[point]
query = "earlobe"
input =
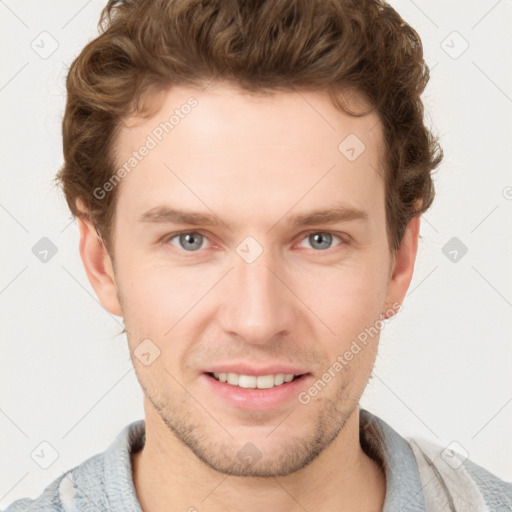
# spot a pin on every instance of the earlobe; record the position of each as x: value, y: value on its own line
x: 405, y: 258
x: 98, y: 266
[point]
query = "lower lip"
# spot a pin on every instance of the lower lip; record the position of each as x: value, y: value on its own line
x: 257, y: 399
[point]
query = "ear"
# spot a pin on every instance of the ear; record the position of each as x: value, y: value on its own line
x: 98, y: 265
x: 403, y: 266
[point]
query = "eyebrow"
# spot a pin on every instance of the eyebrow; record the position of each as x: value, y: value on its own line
x: 166, y: 214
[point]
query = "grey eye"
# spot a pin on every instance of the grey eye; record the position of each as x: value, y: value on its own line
x: 189, y: 241
x: 320, y: 240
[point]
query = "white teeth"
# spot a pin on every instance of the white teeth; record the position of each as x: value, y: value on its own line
x: 253, y: 382
x: 247, y: 381
x: 265, y: 381
x: 233, y: 379
x: 278, y: 379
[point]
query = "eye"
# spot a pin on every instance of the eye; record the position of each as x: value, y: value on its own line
x: 189, y: 241
x: 192, y: 241
x: 321, y: 240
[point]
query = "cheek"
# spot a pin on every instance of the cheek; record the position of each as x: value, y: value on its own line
x: 348, y: 301
x: 156, y: 298
x: 347, y: 298
x: 340, y: 298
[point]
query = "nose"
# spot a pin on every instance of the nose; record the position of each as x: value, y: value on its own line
x: 258, y: 304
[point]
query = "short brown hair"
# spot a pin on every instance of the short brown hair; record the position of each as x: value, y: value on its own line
x: 147, y: 46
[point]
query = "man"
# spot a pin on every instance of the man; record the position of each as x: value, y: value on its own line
x: 248, y: 179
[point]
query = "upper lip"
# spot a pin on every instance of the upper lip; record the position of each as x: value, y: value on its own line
x: 249, y: 369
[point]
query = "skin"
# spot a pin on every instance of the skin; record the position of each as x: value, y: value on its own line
x: 254, y: 161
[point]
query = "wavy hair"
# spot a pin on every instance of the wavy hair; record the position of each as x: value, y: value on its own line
x: 147, y: 46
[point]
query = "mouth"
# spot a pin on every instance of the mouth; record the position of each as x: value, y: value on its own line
x: 254, y: 381
x: 269, y: 391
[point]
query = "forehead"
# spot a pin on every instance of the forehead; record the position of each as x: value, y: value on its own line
x: 222, y: 148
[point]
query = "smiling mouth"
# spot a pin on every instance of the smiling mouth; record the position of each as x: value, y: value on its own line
x: 253, y: 381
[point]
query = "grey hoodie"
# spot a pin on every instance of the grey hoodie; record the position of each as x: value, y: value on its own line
x: 420, y: 476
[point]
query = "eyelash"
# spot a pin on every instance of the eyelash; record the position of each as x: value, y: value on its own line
x: 342, y: 237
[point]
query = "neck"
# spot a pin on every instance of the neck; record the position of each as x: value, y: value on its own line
x: 341, y: 478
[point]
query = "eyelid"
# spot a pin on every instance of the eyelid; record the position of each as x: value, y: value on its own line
x: 167, y: 238
x: 342, y: 236
x: 301, y: 236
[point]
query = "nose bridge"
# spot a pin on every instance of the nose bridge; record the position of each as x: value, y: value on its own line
x: 256, y: 304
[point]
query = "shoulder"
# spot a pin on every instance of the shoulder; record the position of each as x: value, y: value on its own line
x: 451, y: 478
x: 59, y: 495
x: 95, y: 484
x: 422, y: 475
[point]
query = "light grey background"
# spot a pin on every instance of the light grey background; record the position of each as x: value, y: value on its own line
x: 443, y: 372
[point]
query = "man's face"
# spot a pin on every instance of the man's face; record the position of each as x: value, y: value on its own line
x: 256, y: 294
